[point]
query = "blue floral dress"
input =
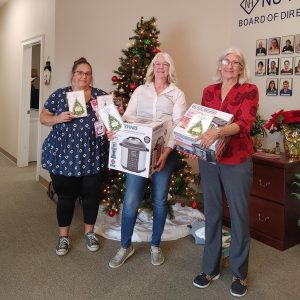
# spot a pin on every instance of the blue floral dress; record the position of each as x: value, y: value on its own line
x: 71, y: 148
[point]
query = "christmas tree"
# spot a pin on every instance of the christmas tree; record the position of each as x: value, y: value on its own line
x: 142, y: 47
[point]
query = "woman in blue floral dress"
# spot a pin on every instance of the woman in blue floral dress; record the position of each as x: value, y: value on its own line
x: 75, y: 158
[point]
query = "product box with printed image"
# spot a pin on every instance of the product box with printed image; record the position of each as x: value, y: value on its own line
x: 137, y: 147
x: 196, y: 121
x: 76, y: 104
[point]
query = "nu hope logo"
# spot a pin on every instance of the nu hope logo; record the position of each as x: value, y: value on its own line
x: 248, y: 5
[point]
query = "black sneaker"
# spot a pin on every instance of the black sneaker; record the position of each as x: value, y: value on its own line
x: 91, y: 241
x: 63, y: 246
x: 202, y: 281
x: 238, y: 287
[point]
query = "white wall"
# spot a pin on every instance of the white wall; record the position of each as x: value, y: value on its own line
x: 19, y: 20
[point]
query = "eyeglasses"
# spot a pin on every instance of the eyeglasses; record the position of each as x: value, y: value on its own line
x: 81, y: 73
x: 165, y: 65
x: 227, y: 62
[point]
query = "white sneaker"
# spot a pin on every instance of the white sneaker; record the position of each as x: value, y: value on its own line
x: 122, y: 255
x: 157, y: 257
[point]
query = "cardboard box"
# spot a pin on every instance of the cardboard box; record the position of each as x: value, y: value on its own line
x: 76, y: 104
x: 196, y: 121
x: 137, y: 147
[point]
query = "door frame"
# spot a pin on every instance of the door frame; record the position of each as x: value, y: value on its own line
x: 24, y: 102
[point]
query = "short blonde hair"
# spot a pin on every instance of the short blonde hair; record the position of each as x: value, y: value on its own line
x: 245, y: 76
x: 172, y: 77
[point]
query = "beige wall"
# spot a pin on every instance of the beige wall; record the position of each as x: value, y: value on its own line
x: 193, y: 32
x: 19, y: 20
x: 245, y: 37
x: 99, y: 30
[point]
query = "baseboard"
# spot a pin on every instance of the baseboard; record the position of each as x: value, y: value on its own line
x: 9, y: 156
x: 43, y: 182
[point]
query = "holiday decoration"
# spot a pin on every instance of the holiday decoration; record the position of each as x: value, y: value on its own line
x: 155, y: 50
x: 114, y: 78
x: 132, y: 86
x: 194, y: 204
x: 111, y: 212
x: 141, y: 49
x: 47, y: 73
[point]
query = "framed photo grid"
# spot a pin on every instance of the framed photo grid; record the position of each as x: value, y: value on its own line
x: 277, y: 57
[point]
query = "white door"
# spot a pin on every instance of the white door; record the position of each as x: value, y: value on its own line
x: 24, y: 107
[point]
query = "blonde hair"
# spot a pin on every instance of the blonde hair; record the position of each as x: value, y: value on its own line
x: 172, y: 77
x: 244, y: 76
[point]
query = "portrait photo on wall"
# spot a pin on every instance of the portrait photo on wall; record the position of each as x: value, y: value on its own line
x: 297, y: 65
x: 272, y: 87
x: 260, y: 67
x: 286, y: 66
x: 261, y: 47
x: 273, y: 45
x: 273, y: 68
x: 297, y: 43
x: 287, y: 44
x: 286, y: 87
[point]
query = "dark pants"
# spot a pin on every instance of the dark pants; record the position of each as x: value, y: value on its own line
x: 236, y: 181
x: 69, y: 189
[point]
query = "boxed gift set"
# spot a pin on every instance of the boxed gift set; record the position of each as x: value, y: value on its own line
x: 76, y: 104
x: 196, y: 121
x: 137, y: 147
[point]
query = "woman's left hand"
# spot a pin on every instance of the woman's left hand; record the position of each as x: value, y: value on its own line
x: 208, y: 137
x: 162, y: 160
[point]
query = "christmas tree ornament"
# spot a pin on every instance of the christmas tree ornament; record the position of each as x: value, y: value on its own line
x: 155, y: 50
x: 147, y: 42
x: 194, y: 204
x: 114, y: 79
x: 111, y: 213
x: 132, y: 86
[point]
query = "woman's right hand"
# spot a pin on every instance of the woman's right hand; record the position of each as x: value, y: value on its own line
x: 65, y: 116
x: 110, y: 135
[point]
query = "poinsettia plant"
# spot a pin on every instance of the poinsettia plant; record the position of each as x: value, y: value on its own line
x: 290, y: 118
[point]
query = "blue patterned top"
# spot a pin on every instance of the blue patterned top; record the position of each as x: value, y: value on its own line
x: 71, y: 148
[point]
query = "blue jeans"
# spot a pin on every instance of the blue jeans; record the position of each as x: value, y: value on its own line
x: 135, y: 189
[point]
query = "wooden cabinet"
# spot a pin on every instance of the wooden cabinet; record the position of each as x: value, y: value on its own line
x: 273, y: 212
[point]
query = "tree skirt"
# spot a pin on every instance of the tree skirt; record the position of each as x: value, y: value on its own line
x: 178, y: 227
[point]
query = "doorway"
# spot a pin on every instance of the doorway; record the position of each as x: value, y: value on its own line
x: 29, y: 134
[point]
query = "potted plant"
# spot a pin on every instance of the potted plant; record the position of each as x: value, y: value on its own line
x: 258, y: 127
x: 258, y: 131
x: 296, y: 194
x: 288, y: 123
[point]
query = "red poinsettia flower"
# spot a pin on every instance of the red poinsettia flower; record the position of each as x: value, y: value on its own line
x: 291, y: 118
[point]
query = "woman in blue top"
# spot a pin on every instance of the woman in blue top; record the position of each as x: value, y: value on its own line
x: 75, y: 158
